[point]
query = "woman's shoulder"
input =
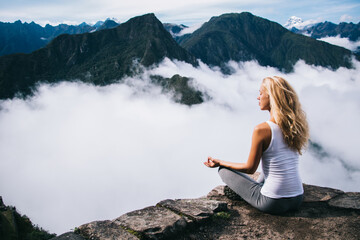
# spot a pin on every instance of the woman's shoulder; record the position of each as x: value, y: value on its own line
x: 263, y: 130
x: 262, y: 126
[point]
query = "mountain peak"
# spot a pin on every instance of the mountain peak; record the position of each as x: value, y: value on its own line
x: 245, y: 37
x: 293, y: 21
x: 83, y: 24
x: 101, y: 57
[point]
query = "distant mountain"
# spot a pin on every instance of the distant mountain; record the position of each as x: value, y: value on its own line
x: 21, y: 37
x: 296, y: 23
x: 102, y: 57
x: 107, y: 25
x: 243, y: 37
x: 329, y: 29
x: 324, y: 29
x: 98, y: 24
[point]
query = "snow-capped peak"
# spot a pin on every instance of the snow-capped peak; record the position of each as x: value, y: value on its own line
x: 298, y: 23
x: 293, y: 22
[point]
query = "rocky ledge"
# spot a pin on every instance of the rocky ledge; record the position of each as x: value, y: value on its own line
x: 326, y: 213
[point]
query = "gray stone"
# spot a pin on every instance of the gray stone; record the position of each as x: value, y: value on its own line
x: 104, y: 230
x: 153, y: 222
x: 319, y: 194
x: 217, y: 192
x: 346, y: 200
x: 197, y: 209
x: 68, y: 236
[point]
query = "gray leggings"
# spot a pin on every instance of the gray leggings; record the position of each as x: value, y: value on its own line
x: 249, y: 190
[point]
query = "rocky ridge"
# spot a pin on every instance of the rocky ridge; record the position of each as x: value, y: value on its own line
x: 326, y: 213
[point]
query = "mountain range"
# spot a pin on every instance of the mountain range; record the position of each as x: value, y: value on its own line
x: 101, y: 57
x: 104, y: 57
x: 25, y: 37
x: 324, y: 29
x: 243, y: 37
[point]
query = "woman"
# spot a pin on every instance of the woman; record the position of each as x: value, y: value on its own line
x: 278, y: 143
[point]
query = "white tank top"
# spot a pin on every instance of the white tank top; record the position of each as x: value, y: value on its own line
x: 280, y: 167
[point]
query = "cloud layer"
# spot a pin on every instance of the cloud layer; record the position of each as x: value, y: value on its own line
x: 76, y: 153
x: 342, y: 42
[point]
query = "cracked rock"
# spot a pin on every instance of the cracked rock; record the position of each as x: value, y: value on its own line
x: 198, y: 209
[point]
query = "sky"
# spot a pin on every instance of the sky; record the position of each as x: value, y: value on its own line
x: 186, y: 12
x: 75, y: 153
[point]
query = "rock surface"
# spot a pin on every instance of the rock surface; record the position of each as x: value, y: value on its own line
x: 153, y: 222
x: 196, y: 209
x: 163, y: 221
x: 69, y: 236
x: 326, y: 213
x: 105, y: 230
x: 317, y: 194
x: 346, y: 200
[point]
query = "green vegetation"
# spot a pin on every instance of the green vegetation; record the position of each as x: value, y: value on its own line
x: 105, y: 57
x: 14, y: 226
x: 244, y: 37
x: 180, y: 86
x: 135, y: 233
x: 101, y: 58
x: 221, y: 215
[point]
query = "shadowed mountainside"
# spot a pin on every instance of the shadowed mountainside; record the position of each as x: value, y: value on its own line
x: 243, y: 37
x: 105, y: 57
x: 100, y: 58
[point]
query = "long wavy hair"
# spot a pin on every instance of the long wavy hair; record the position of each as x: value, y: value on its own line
x: 287, y: 111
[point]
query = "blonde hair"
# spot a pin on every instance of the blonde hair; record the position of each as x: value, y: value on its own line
x: 287, y: 111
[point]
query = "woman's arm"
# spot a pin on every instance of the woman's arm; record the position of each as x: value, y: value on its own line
x: 260, y: 140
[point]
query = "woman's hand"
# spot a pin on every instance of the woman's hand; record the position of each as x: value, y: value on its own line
x: 212, y: 162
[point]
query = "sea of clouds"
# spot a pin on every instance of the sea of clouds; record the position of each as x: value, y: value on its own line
x: 74, y: 153
x: 342, y: 42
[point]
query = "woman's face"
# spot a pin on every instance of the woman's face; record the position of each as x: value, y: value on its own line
x: 264, y: 99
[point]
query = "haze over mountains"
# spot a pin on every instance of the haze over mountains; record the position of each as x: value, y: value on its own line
x: 104, y: 57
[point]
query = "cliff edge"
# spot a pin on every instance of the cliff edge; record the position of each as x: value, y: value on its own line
x: 326, y: 213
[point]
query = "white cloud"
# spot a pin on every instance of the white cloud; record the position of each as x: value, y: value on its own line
x: 76, y: 153
x: 346, y: 18
x: 342, y: 42
x: 190, y: 29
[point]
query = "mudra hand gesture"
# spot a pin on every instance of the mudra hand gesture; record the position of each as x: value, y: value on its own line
x: 212, y: 162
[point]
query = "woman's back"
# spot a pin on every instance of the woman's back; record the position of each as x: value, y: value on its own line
x: 277, y: 146
x: 280, y: 167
